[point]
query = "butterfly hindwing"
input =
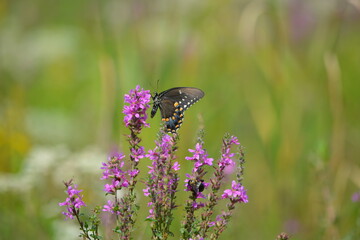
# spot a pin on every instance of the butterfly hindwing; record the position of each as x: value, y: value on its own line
x: 173, y: 103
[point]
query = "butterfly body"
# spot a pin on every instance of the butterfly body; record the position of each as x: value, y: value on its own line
x: 173, y: 103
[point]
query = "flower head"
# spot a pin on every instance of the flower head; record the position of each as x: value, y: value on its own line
x: 200, y: 157
x: 73, y: 202
x: 113, y: 170
x: 135, y: 113
x: 226, y: 157
x: 237, y: 193
x: 113, y: 167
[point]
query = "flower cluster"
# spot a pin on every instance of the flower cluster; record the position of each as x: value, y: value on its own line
x: 161, y: 185
x: 226, y: 157
x: 135, y: 114
x: 237, y: 193
x: 194, y: 182
x: 137, y: 154
x: 73, y: 202
x: 200, y: 157
x: 113, y: 170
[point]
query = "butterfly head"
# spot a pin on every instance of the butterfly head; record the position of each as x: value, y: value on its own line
x: 156, y: 103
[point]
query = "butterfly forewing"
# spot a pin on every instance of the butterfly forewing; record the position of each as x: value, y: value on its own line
x: 173, y: 103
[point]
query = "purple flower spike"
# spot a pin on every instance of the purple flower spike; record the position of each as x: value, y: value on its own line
x: 237, y: 193
x: 226, y: 157
x: 73, y: 203
x: 113, y: 167
x: 162, y: 182
x: 119, y: 178
x: 135, y: 113
x: 200, y: 157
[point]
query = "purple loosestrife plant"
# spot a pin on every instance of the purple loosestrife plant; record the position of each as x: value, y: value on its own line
x: 73, y: 203
x: 195, y: 184
x: 125, y: 208
x: 121, y: 172
x: 197, y: 226
x: 135, y: 119
x: 120, y: 207
x: 121, y: 178
x: 161, y: 185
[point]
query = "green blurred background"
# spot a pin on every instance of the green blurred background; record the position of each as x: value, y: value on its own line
x: 282, y: 75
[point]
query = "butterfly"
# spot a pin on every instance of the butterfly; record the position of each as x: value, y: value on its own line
x: 173, y: 103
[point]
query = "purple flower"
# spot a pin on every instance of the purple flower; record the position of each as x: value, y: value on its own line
x: 137, y: 154
x: 200, y: 157
x: 111, y: 207
x: 237, y: 193
x: 74, y: 201
x: 113, y: 166
x: 226, y: 154
x: 194, y: 182
x: 135, y: 113
x: 356, y: 197
x: 198, y: 205
x: 133, y: 173
x: 176, y: 166
x: 219, y: 221
x: 229, y: 169
x: 233, y: 140
x: 151, y: 211
x: 161, y: 152
x: 119, y: 177
x: 146, y: 191
x: 163, y: 180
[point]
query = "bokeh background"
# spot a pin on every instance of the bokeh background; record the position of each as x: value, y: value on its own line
x: 282, y: 75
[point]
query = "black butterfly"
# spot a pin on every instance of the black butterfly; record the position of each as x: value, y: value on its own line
x: 173, y: 103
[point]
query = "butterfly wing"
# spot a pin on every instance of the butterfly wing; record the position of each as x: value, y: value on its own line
x: 174, y: 102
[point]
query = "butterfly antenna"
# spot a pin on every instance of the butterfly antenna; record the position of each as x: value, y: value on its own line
x: 157, y: 84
